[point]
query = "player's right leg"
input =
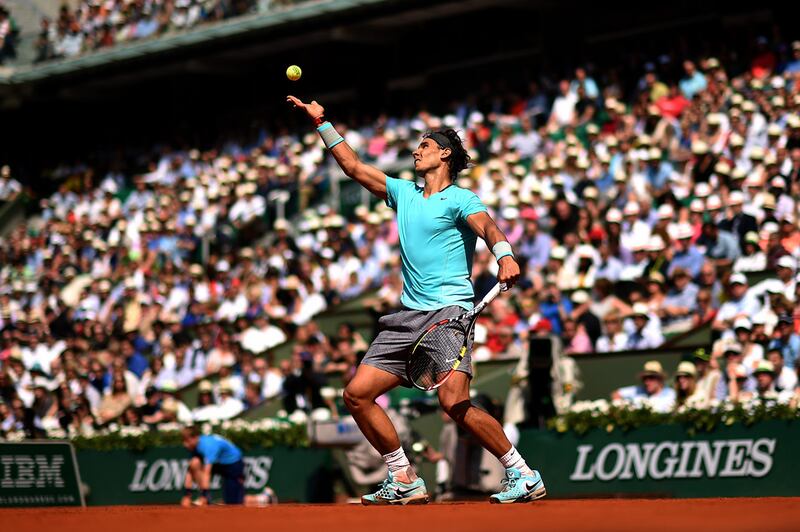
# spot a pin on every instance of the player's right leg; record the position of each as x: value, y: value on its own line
x: 402, y: 485
x: 194, y: 474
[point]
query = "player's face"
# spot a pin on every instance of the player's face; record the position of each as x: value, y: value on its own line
x: 428, y: 156
x: 190, y: 442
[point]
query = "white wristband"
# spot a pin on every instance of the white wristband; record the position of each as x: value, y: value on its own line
x: 502, y: 249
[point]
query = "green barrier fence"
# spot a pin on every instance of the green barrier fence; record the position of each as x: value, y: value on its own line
x: 39, y: 473
x: 156, y: 476
x: 665, y: 461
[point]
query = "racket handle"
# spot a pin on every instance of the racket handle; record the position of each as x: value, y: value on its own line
x: 493, y: 293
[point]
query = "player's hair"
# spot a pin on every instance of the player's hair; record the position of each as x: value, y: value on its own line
x: 459, y: 158
x: 192, y: 430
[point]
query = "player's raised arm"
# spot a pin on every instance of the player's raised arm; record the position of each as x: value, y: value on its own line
x: 483, y: 226
x: 367, y: 176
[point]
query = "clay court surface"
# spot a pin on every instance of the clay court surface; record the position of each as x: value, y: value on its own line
x: 619, y: 514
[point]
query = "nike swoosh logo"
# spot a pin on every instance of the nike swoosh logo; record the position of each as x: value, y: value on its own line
x: 451, y: 360
x: 442, y: 198
x: 529, y: 486
x: 403, y: 492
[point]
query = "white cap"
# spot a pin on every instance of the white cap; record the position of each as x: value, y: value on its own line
x: 697, y: 205
x: 787, y: 262
x: 639, y: 243
x: 665, y: 212
x: 510, y: 213
x: 585, y: 251
x: 702, y: 190
x: 682, y: 231
x: 631, y: 209
x: 713, y: 203
x: 613, y: 215
x: 742, y: 323
x: 580, y: 297
x: 773, y: 286
x: 640, y: 309
x: 736, y: 197
x: 558, y: 253
x: 656, y: 243
x: 738, y: 278
x: 778, y: 182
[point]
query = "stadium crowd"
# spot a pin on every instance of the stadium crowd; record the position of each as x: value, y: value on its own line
x: 97, y: 24
x: 635, y: 216
x: 9, y: 32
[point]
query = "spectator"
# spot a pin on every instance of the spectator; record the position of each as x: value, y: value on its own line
x: 575, y: 339
x: 613, y: 339
x: 765, y: 390
x: 115, y: 402
x: 641, y: 336
x: 8, y: 37
x: 707, y: 377
x: 786, y: 340
x: 10, y: 188
x: 682, y: 298
x: 651, y: 392
x: 752, y: 258
x: 687, y: 394
x: 734, y: 375
x: 739, y: 304
x: 720, y: 246
x: 785, y: 379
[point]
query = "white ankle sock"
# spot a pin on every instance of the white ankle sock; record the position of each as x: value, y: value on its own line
x: 396, y: 460
x: 513, y: 459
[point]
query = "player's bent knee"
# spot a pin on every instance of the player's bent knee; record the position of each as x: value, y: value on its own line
x: 353, y: 400
x: 456, y: 408
x: 195, y: 464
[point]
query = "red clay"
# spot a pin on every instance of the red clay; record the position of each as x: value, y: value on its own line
x: 765, y: 514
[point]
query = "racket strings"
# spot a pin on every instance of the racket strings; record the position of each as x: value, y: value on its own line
x: 436, y: 354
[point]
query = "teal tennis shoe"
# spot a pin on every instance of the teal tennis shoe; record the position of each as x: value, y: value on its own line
x: 394, y: 492
x: 518, y: 488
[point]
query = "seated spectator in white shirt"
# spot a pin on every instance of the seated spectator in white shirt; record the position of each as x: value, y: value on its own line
x: 752, y: 258
x: 739, y: 305
x: 765, y: 377
x: 687, y: 393
x: 651, y: 392
x: 229, y: 406
x: 785, y: 378
x: 681, y: 299
x: 644, y: 333
x: 270, y: 379
x: 232, y: 380
x: 614, y: 338
x: 261, y: 336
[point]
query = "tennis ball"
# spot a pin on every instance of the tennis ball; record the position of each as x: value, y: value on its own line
x: 294, y: 72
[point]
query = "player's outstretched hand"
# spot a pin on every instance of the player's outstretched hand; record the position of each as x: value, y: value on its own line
x: 509, y: 272
x: 313, y: 109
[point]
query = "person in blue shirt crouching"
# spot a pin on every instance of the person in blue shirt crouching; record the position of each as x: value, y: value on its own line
x: 212, y: 455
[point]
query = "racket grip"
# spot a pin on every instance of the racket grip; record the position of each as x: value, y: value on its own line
x: 492, y: 294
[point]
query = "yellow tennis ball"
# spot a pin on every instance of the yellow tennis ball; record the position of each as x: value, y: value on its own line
x: 294, y: 72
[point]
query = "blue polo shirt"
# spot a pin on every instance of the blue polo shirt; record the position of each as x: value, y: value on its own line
x: 215, y: 449
x: 436, y: 244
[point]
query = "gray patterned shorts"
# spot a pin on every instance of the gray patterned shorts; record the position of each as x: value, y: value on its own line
x: 396, y: 337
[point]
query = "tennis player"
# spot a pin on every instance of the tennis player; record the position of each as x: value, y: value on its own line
x: 438, y: 225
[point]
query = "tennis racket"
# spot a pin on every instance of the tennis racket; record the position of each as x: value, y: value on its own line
x: 439, y: 350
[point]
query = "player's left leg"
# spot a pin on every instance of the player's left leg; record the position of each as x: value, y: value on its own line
x: 233, y: 483
x: 522, y: 483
